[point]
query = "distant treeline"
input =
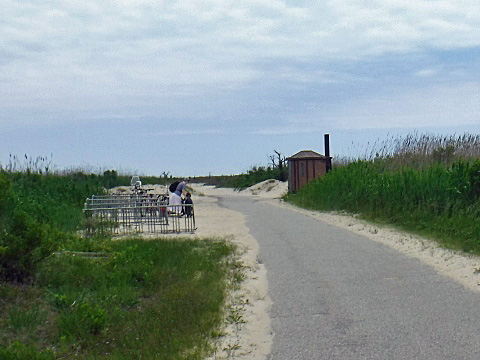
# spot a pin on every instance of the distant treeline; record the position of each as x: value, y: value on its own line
x: 249, y: 178
x: 277, y: 169
x: 111, y: 179
x: 422, y: 183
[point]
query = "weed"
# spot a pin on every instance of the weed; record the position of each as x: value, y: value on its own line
x: 236, y: 315
x: 82, y: 320
x: 230, y: 347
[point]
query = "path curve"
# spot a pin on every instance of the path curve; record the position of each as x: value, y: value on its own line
x: 339, y: 295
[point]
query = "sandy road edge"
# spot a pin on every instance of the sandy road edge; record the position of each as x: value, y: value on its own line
x: 247, y: 327
x: 460, y: 267
x: 247, y: 332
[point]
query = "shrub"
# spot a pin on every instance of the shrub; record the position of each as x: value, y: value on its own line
x: 254, y: 176
x: 24, y: 242
x: 36, y: 213
x: 473, y: 175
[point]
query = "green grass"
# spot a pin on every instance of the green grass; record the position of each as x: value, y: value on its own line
x: 161, y: 299
x: 430, y: 196
x: 37, y: 213
x: 63, y: 296
x: 39, y: 210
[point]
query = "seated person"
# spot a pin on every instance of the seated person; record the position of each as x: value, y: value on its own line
x: 188, y: 210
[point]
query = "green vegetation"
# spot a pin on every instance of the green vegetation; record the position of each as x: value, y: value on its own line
x: 426, y: 184
x: 37, y: 213
x: 131, y: 299
x: 277, y: 169
x: 39, y: 210
x: 64, y: 296
x: 111, y: 178
x: 252, y: 177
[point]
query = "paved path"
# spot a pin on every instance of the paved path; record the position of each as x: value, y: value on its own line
x: 337, y: 295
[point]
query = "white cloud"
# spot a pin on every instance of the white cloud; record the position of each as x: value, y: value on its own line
x: 102, y: 55
x: 243, y: 30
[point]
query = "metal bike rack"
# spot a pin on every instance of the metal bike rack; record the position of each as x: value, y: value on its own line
x: 136, y: 213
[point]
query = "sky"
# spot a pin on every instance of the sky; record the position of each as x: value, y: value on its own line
x: 192, y: 88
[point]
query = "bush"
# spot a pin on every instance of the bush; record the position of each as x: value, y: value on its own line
x: 37, y: 212
x: 24, y: 243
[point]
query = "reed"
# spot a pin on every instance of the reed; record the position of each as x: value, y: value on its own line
x: 418, y: 150
x: 422, y: 183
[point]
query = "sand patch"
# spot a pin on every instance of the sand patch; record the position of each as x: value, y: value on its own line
x: 268, y: 189
x: 247, y: 328
x: 247, y: 333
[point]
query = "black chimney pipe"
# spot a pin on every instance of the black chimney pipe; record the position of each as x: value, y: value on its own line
x: 327, y: 152
x: 327, y: 144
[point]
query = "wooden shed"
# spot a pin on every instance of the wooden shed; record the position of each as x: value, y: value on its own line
x: 306, y: 166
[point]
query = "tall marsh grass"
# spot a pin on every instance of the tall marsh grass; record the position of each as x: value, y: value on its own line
x: 423, y: 183
x: 418, y: 150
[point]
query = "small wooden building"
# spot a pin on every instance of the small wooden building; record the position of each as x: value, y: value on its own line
x: 306, y: 166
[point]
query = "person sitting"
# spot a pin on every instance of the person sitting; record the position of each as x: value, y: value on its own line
x: 188, y: 210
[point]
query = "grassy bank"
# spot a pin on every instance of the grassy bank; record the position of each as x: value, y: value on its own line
x: 427, y: 185
x: 37, y: 213
x: 63, y: 296
x: 129, y: 299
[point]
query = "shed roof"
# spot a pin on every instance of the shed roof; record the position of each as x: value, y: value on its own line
x: 308, y: 154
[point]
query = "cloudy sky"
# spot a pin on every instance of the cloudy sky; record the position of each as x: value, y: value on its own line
x: 199, y: 87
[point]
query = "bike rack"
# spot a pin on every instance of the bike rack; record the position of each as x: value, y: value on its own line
x: 136, y: 213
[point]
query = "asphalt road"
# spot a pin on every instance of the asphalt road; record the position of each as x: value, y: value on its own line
x: 338, y: 295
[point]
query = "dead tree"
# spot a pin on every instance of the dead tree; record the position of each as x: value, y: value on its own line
x: 279, y: 161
